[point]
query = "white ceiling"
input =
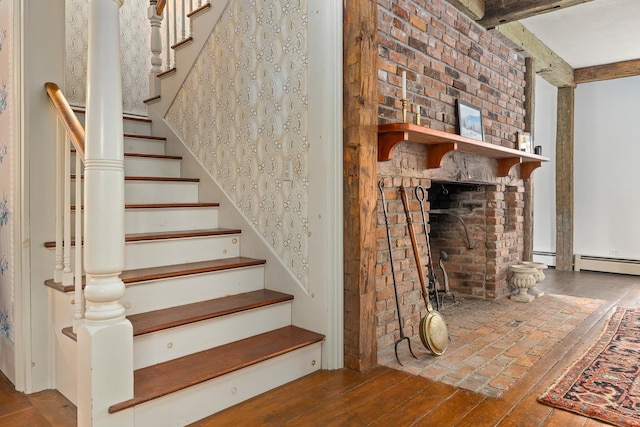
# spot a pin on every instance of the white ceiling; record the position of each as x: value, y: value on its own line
x: 593, y: 33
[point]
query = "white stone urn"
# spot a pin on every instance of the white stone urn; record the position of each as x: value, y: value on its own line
x: 540, y: 267
x: 523, y: 277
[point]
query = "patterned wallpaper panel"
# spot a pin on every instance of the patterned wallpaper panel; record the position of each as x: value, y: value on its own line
x: 7, y: 224
x: 136, y: 56
x: 243, y: 113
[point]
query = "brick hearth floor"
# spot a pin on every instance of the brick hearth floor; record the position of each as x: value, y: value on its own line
x: 493, y: 343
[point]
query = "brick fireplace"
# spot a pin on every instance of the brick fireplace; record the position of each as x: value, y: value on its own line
x: 480, y: 228
x: 447, y: 57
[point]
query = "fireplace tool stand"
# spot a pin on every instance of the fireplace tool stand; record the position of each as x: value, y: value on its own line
x: 393, y: 275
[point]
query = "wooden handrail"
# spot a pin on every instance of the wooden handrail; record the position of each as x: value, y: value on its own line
x: 160, y: 6
x: 67, y: 117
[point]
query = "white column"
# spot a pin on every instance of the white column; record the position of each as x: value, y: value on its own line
x: 105, y: 338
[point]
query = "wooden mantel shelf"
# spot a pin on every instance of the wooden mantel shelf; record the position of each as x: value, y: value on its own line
x: 440, y: 143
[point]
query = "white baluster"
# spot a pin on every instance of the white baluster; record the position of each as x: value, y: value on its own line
x: 184, y: 17
x: 67, y: 274
x: 175, y: 24
x: 156, y: 49
x: 78, y: 308
x: 105, y: 337
x: 167, y: 27
x: 59, y: 215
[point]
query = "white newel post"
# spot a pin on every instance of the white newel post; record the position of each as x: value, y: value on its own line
x: 105, y: 337
x: 156, y: 49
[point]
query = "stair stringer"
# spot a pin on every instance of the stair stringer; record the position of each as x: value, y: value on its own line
x: 309, y: 309
x: 202, y: 26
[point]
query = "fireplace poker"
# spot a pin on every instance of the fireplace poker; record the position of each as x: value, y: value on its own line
x: 393, y: 275
x: 445, y: 277
x: 420, y: 195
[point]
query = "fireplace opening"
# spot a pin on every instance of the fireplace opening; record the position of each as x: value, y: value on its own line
x: 476, y: 231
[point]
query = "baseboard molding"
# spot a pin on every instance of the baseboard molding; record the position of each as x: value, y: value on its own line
x: 548, y: 258
x: 607, y: 265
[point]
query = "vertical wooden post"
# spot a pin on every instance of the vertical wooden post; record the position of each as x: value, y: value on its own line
x: 155, y: 45
x: 529, y: 125
x: 105, y: 338
x: 564, y: 179
x: 360, y: 31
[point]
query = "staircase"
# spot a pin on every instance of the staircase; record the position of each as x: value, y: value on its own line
x: 208, y: 334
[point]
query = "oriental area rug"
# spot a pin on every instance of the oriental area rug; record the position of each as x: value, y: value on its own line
x: 605, y: 382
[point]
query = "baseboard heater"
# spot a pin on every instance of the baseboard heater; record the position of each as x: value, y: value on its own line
x: 607, y: 265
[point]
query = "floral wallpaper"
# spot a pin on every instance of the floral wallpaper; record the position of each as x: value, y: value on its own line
x: 243, y: 112
x: 136, y: 56
x: 7, y: 285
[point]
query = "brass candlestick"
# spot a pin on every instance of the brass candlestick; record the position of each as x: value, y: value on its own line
x: 404, y: 110
x: 417, y: 116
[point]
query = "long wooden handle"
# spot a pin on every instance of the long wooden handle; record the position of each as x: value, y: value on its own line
x: 414, y: 244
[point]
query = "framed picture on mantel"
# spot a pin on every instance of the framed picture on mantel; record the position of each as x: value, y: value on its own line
x: 469, y: 120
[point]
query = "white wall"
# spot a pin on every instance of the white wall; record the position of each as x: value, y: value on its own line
x: 607, y: 149
x: 43, y: 61
x: 544, y: 178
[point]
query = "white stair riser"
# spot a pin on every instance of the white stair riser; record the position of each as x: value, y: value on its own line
x: 145, y: 166
x: 143, y: 146
x: 140, y: 192
x: 137, y: 127
x: 165, y: 293
x: 162, y: 346
x: 170, y: 219
x: 152, y: 220
x: 156, y: 253
x: 159, y: 294
x: 197, y: 402
x: 149, y: 192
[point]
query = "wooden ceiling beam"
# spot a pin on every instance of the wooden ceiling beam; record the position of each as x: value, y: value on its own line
x: 498, y: 12
x: 615, y: 70
x: 548, y: 64
x: 474, y: 9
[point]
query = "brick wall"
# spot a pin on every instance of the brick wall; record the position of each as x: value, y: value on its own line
x: 446, y: 57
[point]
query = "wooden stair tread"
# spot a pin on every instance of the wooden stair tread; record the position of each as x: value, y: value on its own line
x: 152, y: 99
x: 160, y: 179
x: 126, y: 116
x: 169, y: 271
x: 150, y: 178
x: 153, y: 156
x: 164, y: 235
x: 199, y: 10
x: 166, y: 73
x: 149, y: 156
x: 158, y: 320
x: 140, y: 136
x: 166, y: 205
x: 152, y: 321
x: 168, y: 377
x: 172, y: 205
x: 182, y: 43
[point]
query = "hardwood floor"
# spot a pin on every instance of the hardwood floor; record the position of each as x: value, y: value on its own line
x: 387, y: 397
